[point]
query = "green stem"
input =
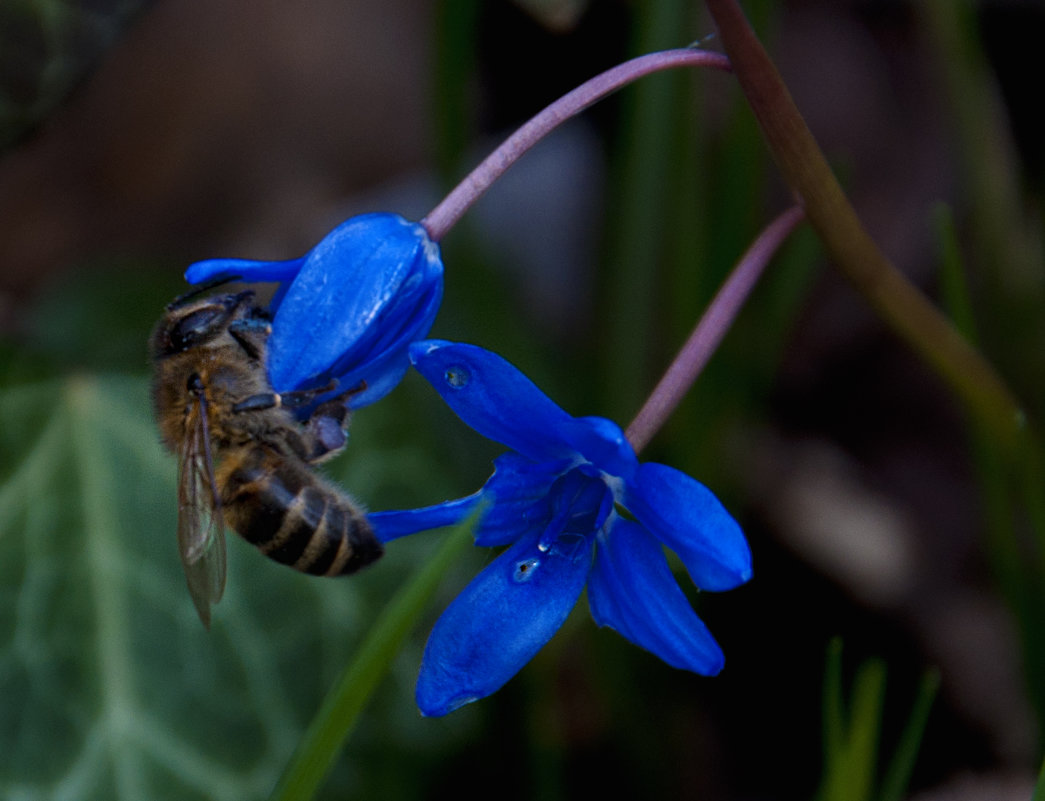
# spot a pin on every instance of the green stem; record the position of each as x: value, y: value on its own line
x: 903, y: 307
x: 341, y: 708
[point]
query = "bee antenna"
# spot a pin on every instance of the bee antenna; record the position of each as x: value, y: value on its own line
x: 202, y: 289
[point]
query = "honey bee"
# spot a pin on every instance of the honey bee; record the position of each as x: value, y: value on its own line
x: 244, y: 459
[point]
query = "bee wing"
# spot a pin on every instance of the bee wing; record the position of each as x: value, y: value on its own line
x: 201, y: 534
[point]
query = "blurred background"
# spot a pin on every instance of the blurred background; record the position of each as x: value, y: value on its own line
x: 138, y: 137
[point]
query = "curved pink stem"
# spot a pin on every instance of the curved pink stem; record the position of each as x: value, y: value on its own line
x: 709, y: 331
x: 443, y: 217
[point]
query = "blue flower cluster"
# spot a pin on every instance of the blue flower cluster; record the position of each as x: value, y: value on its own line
x: 556, y: 502
x: 570, y: 502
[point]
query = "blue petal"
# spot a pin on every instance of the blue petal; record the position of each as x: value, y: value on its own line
x: 580, y: 503
x: 243, y: 269
x: 494, y: 398
x: 632, y: 590
x: 363, y: 294
x: 518, y: 495
x: 378, y: 380
x: 688, y: 518
x: 392, y: 524
x: 497, y: 624
x: 387, y: 360
x: 602, y: 443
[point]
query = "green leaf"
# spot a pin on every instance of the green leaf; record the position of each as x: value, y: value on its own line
x: 110, y: 687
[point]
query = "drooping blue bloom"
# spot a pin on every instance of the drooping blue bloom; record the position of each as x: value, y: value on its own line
x: 556, y: 501
x: 349, y: 308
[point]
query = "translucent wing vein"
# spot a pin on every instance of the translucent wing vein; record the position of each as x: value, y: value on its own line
x: 201, y: 535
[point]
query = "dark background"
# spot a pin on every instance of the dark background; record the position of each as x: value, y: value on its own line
x: 140, y: 138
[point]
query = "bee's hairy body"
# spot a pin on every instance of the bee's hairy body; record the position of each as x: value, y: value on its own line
x: 291, y: 515
x: 253, y: 458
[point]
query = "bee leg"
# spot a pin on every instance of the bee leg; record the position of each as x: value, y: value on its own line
x: 334, y: 410
x: 251, y: 333
x: 285, y: 400
x: 300, y: 397
x: 265, y: 400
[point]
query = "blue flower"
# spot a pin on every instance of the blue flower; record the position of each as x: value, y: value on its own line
x: 574, y: 507
x: 349, y: 309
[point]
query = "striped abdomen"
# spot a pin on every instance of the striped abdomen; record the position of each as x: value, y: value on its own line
x: 280, y: 506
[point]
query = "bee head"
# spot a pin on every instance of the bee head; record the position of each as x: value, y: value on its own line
x: 191, y: 322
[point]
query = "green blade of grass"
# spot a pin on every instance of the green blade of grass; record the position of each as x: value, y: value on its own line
x: 338, y: 714
x: 898, y: 775
x: 456, y: 24
x: 833, y: 722
x: 894, y: 298
x: 641, y: 214
x: 865, y: 725
x: 1009, y: 491
x: 1039, y: 787
x: 851, y: 737
x: 1002, y: 548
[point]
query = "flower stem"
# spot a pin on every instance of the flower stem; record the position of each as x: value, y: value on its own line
x: 337, y: 716
x: 443, y: 217
x: 896, y: 300
x: 709, y: 331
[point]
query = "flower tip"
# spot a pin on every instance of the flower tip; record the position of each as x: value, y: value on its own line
x: 437, y: 709
x: 425, y: 347
x: 209, y: 270
x: 746, y: 573
x: 714, y: 667
x: 738, y: 569
x: 728, y: 574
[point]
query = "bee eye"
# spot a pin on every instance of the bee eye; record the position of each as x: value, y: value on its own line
x: 195, y: 327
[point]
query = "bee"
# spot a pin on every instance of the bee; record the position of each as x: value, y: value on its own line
x: 244, y: 459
